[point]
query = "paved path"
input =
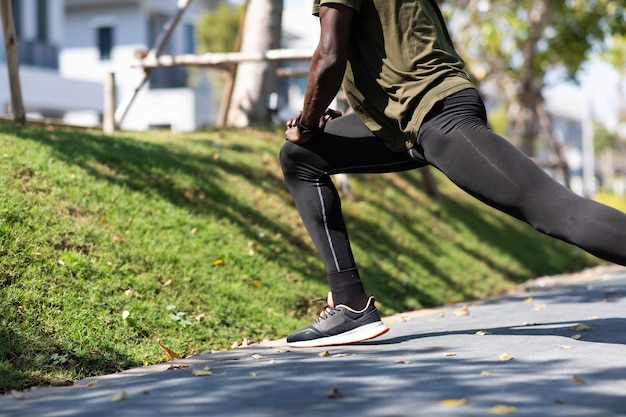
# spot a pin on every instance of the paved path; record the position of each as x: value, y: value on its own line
x: 566, y: 338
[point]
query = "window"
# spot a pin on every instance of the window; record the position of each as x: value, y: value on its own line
x: 17, y: 17
x: 42, y: 20
x: 190, y: 39
x: 105, y: 42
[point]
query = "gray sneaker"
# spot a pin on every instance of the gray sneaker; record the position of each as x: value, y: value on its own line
x: 340, y: 325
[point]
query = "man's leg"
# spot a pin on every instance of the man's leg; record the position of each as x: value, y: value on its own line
x: 457, y: 142
x: 346, y: 146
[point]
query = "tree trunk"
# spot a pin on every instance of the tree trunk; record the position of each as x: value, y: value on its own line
x: 256, y: 81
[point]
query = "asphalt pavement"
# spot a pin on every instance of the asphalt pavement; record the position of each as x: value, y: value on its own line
x: 553, y: 347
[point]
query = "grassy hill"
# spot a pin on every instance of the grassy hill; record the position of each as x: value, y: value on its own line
x: 112, y: 244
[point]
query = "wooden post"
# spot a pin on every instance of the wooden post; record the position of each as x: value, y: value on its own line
x: 108, y: 119
x: 10, y: 46
x: 152, y: 54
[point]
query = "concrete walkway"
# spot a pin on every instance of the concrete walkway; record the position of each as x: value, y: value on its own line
x: 555, y: 347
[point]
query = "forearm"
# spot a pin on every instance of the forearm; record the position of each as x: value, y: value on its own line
x: 324, y: 82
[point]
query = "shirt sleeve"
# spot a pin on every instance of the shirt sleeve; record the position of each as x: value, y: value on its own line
x: 354, y: 4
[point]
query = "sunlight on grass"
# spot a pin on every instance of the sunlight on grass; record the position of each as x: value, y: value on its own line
x: 112, y: 244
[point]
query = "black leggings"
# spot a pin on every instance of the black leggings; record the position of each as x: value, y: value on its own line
x: 456, y: 140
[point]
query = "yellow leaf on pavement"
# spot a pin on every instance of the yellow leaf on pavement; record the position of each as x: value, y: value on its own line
x: 506, y: 357
x: 454, y: 402
x: 202, y: 372
x: 502, y: 410
x: 580, y: 327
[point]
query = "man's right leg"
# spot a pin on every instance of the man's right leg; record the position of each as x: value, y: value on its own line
x: 346, y: 146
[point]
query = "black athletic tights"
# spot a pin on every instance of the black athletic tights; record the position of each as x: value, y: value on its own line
x: 455, y: 140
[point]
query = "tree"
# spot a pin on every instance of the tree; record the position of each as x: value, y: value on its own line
x: 255, y: 81
x: 514, y: 43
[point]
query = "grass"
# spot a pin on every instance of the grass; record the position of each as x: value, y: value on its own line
x: 111, y: 244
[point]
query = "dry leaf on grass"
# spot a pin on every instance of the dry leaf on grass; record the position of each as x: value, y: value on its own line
x: 454, y: 402
x: 171, y: 355
x: 61, y: 382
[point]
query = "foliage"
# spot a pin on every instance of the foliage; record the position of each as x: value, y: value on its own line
x: 217, y: 30
x: 110, y: 245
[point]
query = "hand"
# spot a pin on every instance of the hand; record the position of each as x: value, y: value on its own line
x: 295, y: 135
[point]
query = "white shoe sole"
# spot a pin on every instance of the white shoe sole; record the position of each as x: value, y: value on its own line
x: 360, y: 334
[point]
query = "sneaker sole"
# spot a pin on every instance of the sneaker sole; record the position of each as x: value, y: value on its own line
x: 360, y: 334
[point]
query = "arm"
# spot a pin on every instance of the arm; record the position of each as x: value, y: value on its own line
x: 327, y: 69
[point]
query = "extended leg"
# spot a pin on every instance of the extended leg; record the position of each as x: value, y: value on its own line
x: 457, y: 142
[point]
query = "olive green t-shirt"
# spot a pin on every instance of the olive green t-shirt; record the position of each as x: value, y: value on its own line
x: 401, y: 62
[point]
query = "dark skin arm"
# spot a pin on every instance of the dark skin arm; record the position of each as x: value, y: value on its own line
x: 327, y: 68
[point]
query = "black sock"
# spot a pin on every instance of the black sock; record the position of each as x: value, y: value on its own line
x: 347, y: 289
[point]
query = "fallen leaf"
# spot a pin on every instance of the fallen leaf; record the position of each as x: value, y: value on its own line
x: 486, y: 373
x: 323, y: 354
x: 506, y: 357
x: 432, y: 320
x: 167, y: 283
x: 201, y: 317
x: 577, y: 336
x: 257, y: 283
x: 119, y: 396
x: 502, y: 409
x: 175, y: 366
x: 464, y: 311
x: 194, y: 230
x: 580, y: 327
x: 61, y: 382
x: 206, y: 371
x: 566, y: 347
x: 256, y: 356
x: 217, y: 262
x: 483, y: 333
x: 96, y: 352
x: 449, y: 354
x: 91, y: 384
x: 335, y: 393
x: 272, y: 362
x: 125, y: 314
x: 171, y: 355
x: 454, y: 402
x: 528, y: 300
x: 252, y: 373
x: 577, y: 380
x: 341, y: 355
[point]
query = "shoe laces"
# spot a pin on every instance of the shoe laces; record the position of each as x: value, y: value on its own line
x: 326, y: 312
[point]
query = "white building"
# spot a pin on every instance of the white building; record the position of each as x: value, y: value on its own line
x: 102, y: 36
x: 40, y: 31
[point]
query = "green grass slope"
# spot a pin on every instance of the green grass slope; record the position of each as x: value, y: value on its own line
x: 112, y: 244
